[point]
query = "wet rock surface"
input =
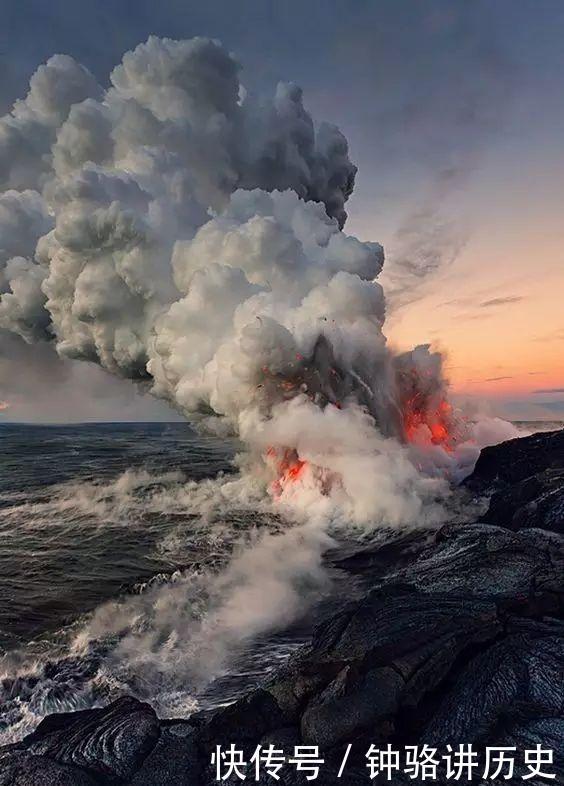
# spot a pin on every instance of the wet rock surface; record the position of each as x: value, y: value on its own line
x: 527, y: 480
x: 459, y: 640
x: 518, y: 459
x: 110, y: 744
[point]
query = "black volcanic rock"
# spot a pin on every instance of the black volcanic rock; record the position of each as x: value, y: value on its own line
x: 457, y: 647
x: 109, y: 743
x: 518, y: 459
x: 537, y: 501
x: 24, y: 769
x: 250, y: 718
x: 175, y: 760
x: 395, y: 648
x: 520, y: 678
x: 459, y: 640
x: 483, y: 561
x: 510, y: 694
x: 526, y: 479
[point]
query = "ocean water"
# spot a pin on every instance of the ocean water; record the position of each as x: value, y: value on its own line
x: 114, y: 542
x: 126, y: 565
x: 71, y: 538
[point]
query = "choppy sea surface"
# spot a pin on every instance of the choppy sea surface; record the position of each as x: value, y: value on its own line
x: 113, y: 544
x: 71, y: 538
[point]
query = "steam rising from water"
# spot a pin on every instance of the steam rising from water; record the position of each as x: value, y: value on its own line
x: 177, y: 230
x: 253, y: 563
x: 185, y: 234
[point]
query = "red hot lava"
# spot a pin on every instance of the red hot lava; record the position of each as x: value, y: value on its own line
x: 426, y: 422
x: 422, y: 415
x: 287, y: 465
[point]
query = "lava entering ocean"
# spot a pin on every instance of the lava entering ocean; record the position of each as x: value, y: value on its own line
x: 417, y: 411
x: 435, y: 426
x: 287, y: 467
x: 189, y: 236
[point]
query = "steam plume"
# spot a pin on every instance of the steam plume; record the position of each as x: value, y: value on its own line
x: 180, y: 232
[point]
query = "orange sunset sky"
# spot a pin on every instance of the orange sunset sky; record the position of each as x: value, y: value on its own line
x: 497, y: 309
x: 454, y: 115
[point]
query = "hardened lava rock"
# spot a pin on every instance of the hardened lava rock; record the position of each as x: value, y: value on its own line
x: 516, y: 569
x: 526, y: 480
x: 537, y: 501
x: 514, y: 461
x: 24, y: 769
x: 107, y: 744
x: 459, y: 640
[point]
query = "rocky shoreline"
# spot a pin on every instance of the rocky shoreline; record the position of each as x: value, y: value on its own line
x: 458, y: 641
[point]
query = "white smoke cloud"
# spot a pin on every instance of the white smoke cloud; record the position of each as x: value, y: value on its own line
x: 178, y: 231
x: 187, y: 234
x: 23, y: 220
x: 22, y: 307
x: 126, y: 174
x: 28, y: 132
x: 262, y: 281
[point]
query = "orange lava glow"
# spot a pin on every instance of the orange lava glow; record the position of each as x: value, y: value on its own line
x: 287, y: 466
x: 435, y: 425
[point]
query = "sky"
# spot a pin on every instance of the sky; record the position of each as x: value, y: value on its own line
x: 454, y: 112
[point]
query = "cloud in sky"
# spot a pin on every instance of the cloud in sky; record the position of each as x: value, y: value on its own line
x: 36, y: 385
x: 555, y: 406
x: 525, y: 409
x: 549, y: 391
x: 501, y: 301
x: 467, y: 316
x: 419, y: 89
x: 425, y: 242
x: 555, y: 335
x: 479, y: 301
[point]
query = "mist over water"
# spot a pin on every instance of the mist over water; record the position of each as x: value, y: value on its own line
x: 189, y: 236
x: 133, y: 558
x: 137, y: 558
x: 87, y: 490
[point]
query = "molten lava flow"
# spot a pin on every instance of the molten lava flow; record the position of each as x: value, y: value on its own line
x: 288, y: 468
x: 429, y: 423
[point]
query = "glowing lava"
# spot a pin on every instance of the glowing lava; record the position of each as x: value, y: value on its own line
x: 424, y: 424
x: 288, y: 468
